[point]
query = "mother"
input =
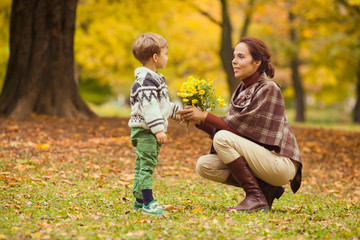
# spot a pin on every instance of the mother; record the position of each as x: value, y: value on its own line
x: 253, y: 145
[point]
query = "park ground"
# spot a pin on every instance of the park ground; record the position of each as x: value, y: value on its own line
x: 72, y: 179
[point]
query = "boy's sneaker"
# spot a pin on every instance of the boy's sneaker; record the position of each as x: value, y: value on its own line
x: 137, y: 205
x: 153, y: 208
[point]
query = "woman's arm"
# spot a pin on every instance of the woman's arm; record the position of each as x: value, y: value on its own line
x: 218, y: 123
x: 206, y: 121
x: 206, y: 128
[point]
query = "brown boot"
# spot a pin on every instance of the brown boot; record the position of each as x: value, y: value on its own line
x: 270, y: 192
x: 232, y: 181
x: 255, y: 199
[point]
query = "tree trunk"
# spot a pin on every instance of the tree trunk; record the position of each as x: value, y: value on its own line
x: 355, y: 10
x: 357, y: 105
x: 226, y: 49
x: 248, y: 16
x: 295, y: 75
x: 40, y: 73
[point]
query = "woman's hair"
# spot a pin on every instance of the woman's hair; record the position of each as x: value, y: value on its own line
x: 259, y: 51
x: 148, y: 44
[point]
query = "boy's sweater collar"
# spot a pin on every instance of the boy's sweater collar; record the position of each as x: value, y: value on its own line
x: 145, y: 70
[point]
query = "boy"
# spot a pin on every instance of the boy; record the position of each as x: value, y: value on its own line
x: 150, y: 110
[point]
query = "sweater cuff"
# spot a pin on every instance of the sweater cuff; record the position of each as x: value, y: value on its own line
x: 157, y: 129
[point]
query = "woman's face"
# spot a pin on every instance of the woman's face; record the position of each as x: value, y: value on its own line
x: 243, y: 63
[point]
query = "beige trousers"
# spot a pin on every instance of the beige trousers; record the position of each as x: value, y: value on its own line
x: 269, y: 166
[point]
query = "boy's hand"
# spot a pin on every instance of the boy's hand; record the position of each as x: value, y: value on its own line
x: 161, y: 137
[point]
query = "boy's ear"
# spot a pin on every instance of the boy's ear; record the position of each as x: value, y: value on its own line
x: 155, y: 57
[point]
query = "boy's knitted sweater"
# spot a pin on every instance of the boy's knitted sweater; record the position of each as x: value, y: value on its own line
x: 149, y: 101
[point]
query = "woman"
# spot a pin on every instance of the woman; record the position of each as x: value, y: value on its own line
x: 253, y: 145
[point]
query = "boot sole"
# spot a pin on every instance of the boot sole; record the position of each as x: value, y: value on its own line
x: 264, y: 209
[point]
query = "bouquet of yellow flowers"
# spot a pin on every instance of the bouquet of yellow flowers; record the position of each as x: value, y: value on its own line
x: 200, y: 93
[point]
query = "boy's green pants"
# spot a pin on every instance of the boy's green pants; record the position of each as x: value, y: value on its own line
x: 147, y: 150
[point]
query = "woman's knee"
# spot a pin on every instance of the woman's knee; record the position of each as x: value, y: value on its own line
x: 220, y: 138
x: 212, y: 168
x: 201, y: 166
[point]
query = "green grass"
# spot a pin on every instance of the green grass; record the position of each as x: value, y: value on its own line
x: 330, y: 117
x: 94, y: 209
x: 73, y: 180
x: 110, y: 110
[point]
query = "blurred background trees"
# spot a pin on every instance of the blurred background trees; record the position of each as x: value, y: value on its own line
x: 316, y: 50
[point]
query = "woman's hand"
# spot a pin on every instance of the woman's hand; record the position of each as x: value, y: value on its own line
x: 191, y: 113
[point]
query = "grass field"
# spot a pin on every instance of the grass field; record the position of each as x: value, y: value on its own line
x: 102, y: 209
x: 62, y: 179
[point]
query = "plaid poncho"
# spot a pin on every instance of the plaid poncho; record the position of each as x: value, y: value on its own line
x: 258, y: 113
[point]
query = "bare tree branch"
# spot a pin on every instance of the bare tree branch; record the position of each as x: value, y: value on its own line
x: 204, y: 13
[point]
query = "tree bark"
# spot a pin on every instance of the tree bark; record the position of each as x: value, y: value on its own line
x: 226, y: 48
x: 295, y: 75
x: 40, y: 74
x: 356, y: 110
x: 248, y: 16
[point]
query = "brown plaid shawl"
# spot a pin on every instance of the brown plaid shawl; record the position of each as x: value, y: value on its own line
x: 258, y: 113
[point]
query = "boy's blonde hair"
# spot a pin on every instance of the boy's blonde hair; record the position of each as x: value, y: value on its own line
x: 148, y: 44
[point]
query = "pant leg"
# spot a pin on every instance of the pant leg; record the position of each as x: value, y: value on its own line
x: 213, y: 168
x: 147, y: 150
x: 273, y: 168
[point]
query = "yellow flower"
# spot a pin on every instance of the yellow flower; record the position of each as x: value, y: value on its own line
x: 190, y: 78
x: 221, y: 102
x: 183, y: 94
x: 189, y: 88
x: 200, y: 93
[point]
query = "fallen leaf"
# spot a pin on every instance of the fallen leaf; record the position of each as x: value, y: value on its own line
x: 195, y: 210
x: 170, y: 208
x: 42, y: 146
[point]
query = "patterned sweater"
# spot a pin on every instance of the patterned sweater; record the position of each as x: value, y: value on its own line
x: 149, y: 101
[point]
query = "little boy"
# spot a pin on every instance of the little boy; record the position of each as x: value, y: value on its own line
x: 150, y: 110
